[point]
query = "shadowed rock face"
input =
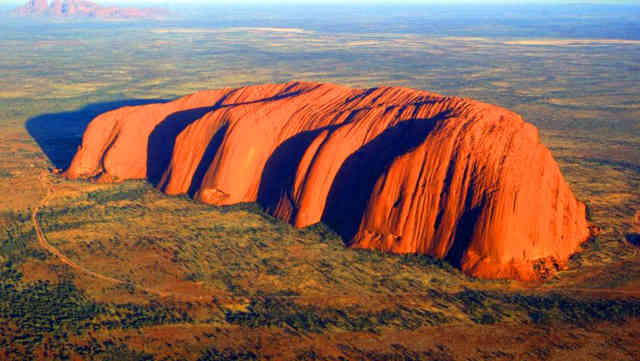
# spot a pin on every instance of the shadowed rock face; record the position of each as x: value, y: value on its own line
x: 634, y: 232
x: 72, y: 8
x: 393, y: 169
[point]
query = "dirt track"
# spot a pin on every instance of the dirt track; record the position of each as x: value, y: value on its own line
x: 44, y: 243
x: 42, y: 239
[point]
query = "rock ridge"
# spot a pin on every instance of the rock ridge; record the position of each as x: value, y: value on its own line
x: 83, y: 8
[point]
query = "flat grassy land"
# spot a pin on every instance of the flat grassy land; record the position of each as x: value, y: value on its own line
x: 240, y: 285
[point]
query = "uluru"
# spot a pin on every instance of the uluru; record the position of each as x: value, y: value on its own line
x: 389, y: 168
x: 82, y: 8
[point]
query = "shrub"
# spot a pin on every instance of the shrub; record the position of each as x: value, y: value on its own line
x: 214, y: 354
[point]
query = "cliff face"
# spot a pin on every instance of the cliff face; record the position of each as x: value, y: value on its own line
x: 394, y: 169
x: 81, y: 8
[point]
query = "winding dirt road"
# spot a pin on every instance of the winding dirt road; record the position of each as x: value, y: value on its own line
x: 44, y: 243
x: 42, y: 239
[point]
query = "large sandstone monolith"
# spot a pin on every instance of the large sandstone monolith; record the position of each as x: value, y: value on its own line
x: 394, y: 169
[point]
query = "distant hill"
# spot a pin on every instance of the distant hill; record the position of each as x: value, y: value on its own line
x: 82, y: 8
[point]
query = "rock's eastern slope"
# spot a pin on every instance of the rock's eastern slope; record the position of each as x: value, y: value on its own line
x: 82, y: 8
x: 393, y: 169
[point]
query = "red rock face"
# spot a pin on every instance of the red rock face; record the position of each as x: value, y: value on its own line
x: 393, y: 169
x: 72, y: 8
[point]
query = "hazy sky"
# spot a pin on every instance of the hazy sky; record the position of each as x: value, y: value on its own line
x: 176, y: 4
x: 230, y: 2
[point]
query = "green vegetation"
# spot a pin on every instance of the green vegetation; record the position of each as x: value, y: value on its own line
x: 490, y: 307
x: 117, y: 194
x: 110, y: 351
x: 278, y: 312
x: 480, y: 307
x: 16, y: 238
x: 34, y: 312
x: 227, y: 355
x: 396, y: 353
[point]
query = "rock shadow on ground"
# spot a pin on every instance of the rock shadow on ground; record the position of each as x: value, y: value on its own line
x: 60, y: 134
